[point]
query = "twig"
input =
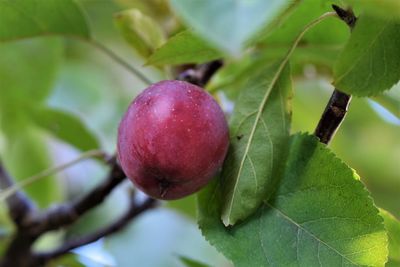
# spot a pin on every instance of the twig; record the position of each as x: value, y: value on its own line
x: 19, y: 205
x: 68, y: 213
x: 338, y: 104
x: 121, y: 61
x: 7, y: 192
x: 133, y: 211
x: 333, y: 116
x: 201, y: 74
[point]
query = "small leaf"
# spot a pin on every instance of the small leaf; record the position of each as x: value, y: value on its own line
x: 385, y: 9
x: 28, y: 18
x: 68, y: 260
x: 184, y: 47
x: 139, y: 30
x: 370, y: 62
x: 259, y: 131
x: 228, y: 23
x: 66, y: 127
x: 191, y: 263
x: 320, y: 214
x: 392, y: 226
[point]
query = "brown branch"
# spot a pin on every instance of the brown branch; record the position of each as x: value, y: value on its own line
x: 68, y: 213
x: 201, y: 74
x: 333, y: 116
x: 338, y: 104
x: 133, y: 211
x: 19, y: 205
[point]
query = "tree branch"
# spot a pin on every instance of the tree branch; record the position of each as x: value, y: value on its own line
x: 333, y: 116
x: 133, y: 211
x: 201, y: 74
x: 68, y: 213
x: 19, y: 205
x: 338, y: 104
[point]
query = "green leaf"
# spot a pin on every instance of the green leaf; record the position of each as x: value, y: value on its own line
x: 228, y: 23
x: 68, y: 260
x: 28, y: 69
x: 28, y: 18
x: 66, y: 127
x: 385, y: 9
x: 393, y: 229
x: 259, y: 131
x: 140, y: 31
x: 191, y: 263
x: 369, y: 63
x: 332, y: 32
x: 320, y: 214
x: 184, y: 47
x: 186, y: 206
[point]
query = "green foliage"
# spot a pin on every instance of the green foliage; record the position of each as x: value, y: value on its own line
x: 392, y: 226
x: 228, y: 24
x: 313, y: 218
x: 27, y: 72
x: 140, y: 31
x: 287, y: 201
x: 184, y: 47
x: 369, y: 63
x: 29, y: 18
x: 332, y: 32
x: 259, y: 130
x: 385, y: 9
x: 191, y: 263
x: 68, y: 260
x: 66, y: 127
x: 186, y: 206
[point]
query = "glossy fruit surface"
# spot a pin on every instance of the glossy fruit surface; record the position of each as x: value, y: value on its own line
x: 172, y: 140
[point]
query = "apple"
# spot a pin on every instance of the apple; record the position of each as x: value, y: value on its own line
x: 172, y: 139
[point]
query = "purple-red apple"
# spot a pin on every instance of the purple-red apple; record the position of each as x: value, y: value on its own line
x: 172, y: 139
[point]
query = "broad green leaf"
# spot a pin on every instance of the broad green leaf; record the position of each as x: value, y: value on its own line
x: 385, y: 9
x: 191, y: 263
x: 140, y: 31
x: 370, y: 61
x: 320, y: 214
x: 27, y: 71
x: 259, y: 132
x: 65, y: 126
x: 184, y: 47
x: 392, y: 226
x: 228, y: 23
x: 28, y: 18
x: 332, y: 32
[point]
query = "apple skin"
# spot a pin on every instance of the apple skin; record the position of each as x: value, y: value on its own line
x: 172, y: 139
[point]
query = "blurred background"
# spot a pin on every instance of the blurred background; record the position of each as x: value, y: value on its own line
x: 89, y: 85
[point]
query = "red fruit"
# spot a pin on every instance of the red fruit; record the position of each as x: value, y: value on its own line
x: 172, y: 139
